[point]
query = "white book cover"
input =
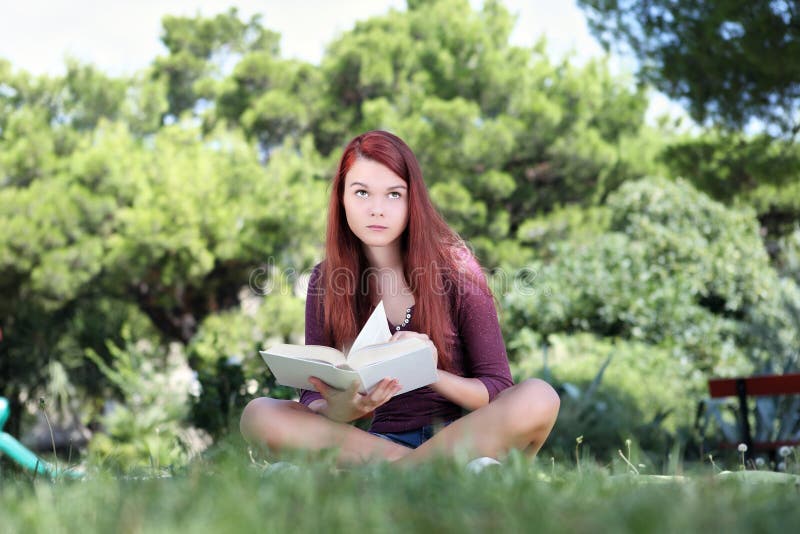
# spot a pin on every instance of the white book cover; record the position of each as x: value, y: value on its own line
x: 371, y: 358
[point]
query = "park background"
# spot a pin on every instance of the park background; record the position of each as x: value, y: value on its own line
x: 157, y: 225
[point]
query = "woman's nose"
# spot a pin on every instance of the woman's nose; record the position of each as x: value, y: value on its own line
x: 376, y: 208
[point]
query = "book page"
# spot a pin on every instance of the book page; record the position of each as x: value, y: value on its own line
x: 384, y: 351
x: 376, y: 330
x: 308, y: 352
x: 413, y: 368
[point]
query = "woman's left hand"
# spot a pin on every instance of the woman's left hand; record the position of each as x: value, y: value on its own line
x: 403, y: 334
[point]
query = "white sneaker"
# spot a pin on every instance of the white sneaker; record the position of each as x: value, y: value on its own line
x: 479, y: 464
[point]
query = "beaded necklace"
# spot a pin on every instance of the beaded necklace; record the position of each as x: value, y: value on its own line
x: 405, y: 322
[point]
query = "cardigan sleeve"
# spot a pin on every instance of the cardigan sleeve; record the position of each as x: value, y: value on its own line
x: 485, y: 355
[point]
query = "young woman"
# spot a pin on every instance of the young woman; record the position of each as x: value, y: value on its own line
x: 386, y: 241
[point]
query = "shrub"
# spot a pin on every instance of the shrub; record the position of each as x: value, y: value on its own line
x: 613, y: 390
x: 146, y: 426
x: 674, y: 269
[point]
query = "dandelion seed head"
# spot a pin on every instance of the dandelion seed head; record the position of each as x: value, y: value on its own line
x: 784, y: 451
x: 742, y: 447
x: 760, y: 462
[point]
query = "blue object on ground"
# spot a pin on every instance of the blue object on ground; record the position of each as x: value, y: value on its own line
x: 22, y: 455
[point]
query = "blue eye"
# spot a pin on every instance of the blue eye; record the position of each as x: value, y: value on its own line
x: 361, y: 191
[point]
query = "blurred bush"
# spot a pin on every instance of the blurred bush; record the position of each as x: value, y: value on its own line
x: 611, y: 390
x: 674, y: 288
x: 225, y: 352
x: 674, y: 269
x: 144, y: 427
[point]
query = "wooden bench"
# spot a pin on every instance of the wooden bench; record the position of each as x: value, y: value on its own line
x: 755, y: 386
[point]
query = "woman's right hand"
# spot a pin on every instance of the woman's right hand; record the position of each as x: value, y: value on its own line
x: 349, y: 404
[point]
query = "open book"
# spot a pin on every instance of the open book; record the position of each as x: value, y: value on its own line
x: 370, y: 359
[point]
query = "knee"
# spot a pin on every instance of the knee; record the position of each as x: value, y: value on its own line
x: 538, y: 398
x: 542, y: 394
x: 250, y: 416
x: 261, y: 420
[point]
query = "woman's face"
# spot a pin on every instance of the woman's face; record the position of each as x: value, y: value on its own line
x: 375, y: 203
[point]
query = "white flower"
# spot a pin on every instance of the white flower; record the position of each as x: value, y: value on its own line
x: 742, y: 447
x: 249, y: 302
x: 195, y: 387
x: 782, y: 466
x: 760, y: 462
x: 144, y: 345
x: 784, y: 451
x: 195, y: 440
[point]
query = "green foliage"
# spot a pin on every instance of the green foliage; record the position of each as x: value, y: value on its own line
x: 571, y: 223
x: 502, y: 132
x: 752, y: 170
x: 28, y: 147
x: 788, y: 262
x: 171, y: 227
x: 729, y: 61
x: 272, y: 99
x: 225, y: 350
x: 147, y: 429
x: 678, y: 285
x: 612, y: 391
x: 732, y: 64
x: 200, y: 47
x: 675, y: 269
x: 726, y: 165
x: 91, y: 96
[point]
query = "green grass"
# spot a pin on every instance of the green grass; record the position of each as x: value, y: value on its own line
x: 228, y: 493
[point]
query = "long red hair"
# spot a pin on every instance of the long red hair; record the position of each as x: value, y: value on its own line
x: 436, y: 261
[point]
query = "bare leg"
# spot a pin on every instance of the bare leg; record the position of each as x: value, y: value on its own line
x: 521, y: 417
x: 282, y: 424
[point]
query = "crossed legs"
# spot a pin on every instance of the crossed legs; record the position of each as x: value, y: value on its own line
x: 520, y: 417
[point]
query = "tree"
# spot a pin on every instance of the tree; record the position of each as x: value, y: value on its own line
x: 199, y: 49
x: 729, y: 61
x: 270, y: 98
x: 154, y: 235
x: 502, y: 132
x: 734, y: 167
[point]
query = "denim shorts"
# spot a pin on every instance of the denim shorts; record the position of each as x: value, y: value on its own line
x: 412, y: 438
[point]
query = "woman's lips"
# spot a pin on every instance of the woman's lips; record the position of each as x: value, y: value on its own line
x: 376, y: 227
